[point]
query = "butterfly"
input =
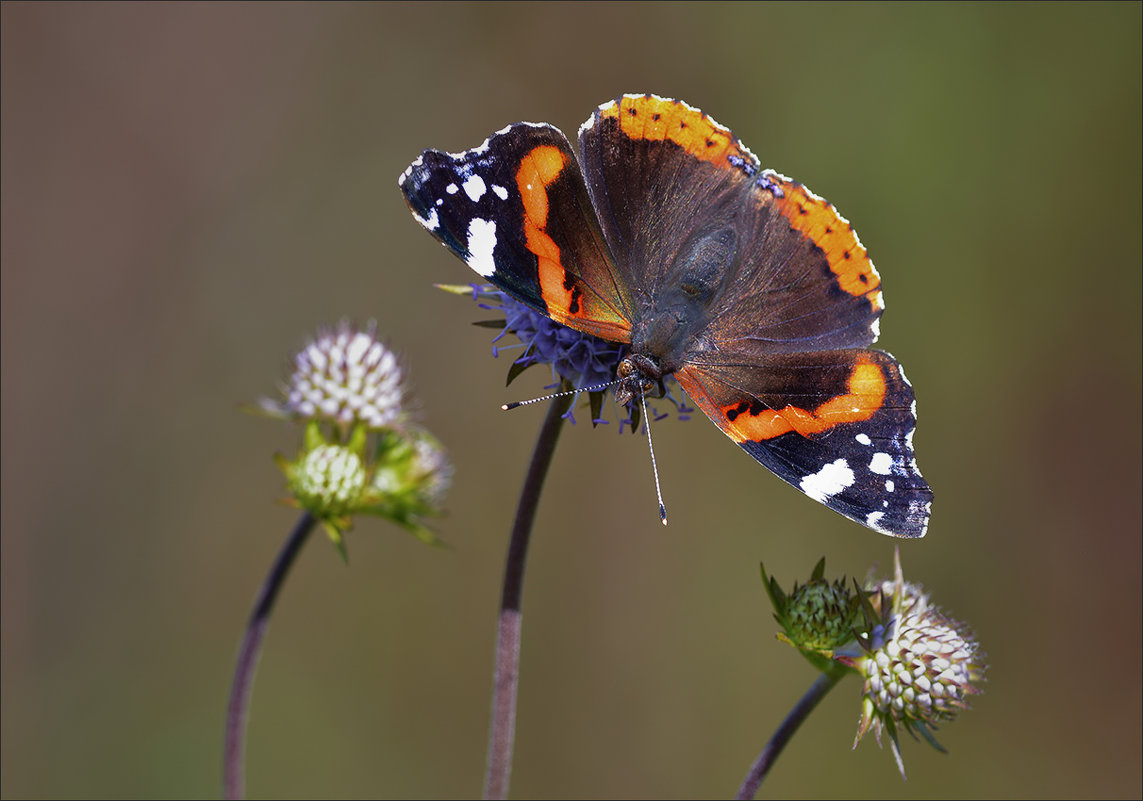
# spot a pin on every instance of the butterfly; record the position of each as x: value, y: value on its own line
x: 663, y: 233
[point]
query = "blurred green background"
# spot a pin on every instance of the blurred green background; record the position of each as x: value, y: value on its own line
x: 189, y: 191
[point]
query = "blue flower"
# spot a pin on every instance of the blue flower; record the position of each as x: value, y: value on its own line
x: 581, y: 361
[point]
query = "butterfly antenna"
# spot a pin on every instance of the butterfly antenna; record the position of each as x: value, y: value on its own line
x: 516, y: 404
x: 654, y: 465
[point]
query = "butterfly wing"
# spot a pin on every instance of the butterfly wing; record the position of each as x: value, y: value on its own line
x: 661, y: 174
x: 516, y: 210
x: 807, y: 282
x: 778, y: 357
x: 838, y: 425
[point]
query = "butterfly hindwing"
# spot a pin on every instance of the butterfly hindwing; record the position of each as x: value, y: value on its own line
x: 838, y: 425
x: 517, y: 211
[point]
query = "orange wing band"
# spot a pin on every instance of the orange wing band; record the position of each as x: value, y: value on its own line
x: 866, y: 394
x: 538, y: 170
x: 819, y: 221
x: 656, y: 119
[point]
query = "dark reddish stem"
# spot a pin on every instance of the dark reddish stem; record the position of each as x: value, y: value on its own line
x: 785, y: 731
x: 237, y: 712
x: 502, y: 731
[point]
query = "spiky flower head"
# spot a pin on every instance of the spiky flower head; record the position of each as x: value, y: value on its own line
x: 817, y: 617
x: 920, y: 666
x: 578, y: 361
x: 327, y: 480
x: 360, y: 453
x: 346, y: 376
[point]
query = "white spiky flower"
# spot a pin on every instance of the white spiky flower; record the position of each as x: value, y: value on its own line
x: 345, y: 375
x: 920, y: 666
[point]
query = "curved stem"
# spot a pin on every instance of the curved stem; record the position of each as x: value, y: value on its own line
x: 785, y: 731
x: 237, y: 710
x: 502, y: 732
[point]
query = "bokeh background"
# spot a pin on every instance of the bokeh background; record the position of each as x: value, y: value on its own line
x: 189, y: 191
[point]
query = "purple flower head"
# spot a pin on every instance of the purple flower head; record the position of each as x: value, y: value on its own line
x: 581, y: 360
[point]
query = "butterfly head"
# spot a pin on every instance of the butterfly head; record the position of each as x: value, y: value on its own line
x: 638, y: 374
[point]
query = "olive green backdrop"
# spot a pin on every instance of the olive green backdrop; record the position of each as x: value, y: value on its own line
x: 188, y: 191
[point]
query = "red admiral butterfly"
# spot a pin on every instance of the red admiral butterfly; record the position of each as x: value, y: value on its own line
x: 754, y: 293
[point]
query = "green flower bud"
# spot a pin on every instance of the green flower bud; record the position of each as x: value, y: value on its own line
x: 821, y: 616
x: 817, y: 617
x: 328, y: 481
x: 409, y: 481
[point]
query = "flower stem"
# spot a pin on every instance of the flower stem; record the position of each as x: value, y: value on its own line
x: 237, y: 710
x: 502, y: 732
x: 785, y: 731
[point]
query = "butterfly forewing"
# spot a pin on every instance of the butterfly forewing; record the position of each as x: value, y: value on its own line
x: 808, y: 284
x: 661, y: 174
x: 517, y: 211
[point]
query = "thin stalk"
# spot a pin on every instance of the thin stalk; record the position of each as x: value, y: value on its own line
x: 785, y: 731
x: 502, y: 731
x: 237, y: 711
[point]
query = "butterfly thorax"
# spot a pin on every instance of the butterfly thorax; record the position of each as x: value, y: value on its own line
x: 659, y: 344
x: 670, y: 324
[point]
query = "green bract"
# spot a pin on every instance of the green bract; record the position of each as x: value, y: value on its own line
x: 817, y: 617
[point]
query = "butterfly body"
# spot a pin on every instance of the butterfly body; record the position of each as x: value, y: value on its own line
x: 663, y: 233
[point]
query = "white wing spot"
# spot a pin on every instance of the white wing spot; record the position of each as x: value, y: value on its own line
x: 881, y: 464
x: 873, y: 519
x: 864, y: 439
x: 481, y: 243
x: 452, y: 189
x: 432, y: 222
x: 905, y: 378
x: 500, y: 191
x: 475, y: 187
x: 889, y: 485
x: 828, y: 481
x: 409, y: 170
